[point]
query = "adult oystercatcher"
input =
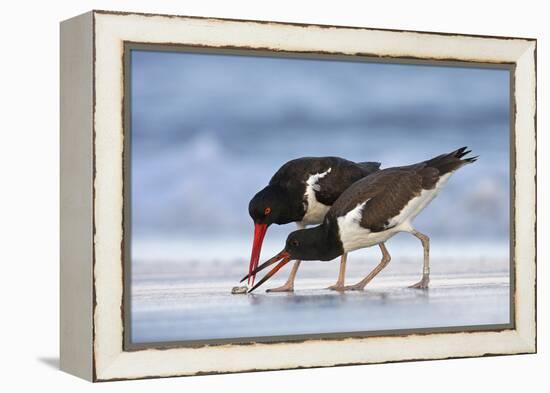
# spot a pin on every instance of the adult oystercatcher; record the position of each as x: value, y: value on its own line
x: 302, y: 191
x: 370, y: 212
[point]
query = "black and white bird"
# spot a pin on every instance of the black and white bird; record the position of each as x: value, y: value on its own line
x: 370, y: 212
x: 302, y: 191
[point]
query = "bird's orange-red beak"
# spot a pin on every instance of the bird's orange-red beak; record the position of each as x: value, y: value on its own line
x: 259, y: 234
x: 283, y: 258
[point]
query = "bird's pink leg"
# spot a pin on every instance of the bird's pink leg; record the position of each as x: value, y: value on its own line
x: 425, y: 281
x: 339, y: 286
x: 383, y: 263
x: 289, y: 285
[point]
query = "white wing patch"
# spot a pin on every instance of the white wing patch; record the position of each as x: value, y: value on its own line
x: 315, y: 210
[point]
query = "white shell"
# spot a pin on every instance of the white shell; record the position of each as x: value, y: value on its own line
x: 239, y: 290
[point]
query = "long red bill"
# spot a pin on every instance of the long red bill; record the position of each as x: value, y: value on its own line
x: 283, y: 258
x: 259, y: 234
x: 267, y: 263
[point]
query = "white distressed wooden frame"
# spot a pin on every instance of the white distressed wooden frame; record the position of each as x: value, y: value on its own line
x: 92, y: 194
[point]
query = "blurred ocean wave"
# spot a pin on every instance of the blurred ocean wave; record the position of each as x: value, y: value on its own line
x: 209, y: 131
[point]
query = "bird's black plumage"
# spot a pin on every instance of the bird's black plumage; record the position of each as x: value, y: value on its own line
x: 372, y: 210
x: 285, y: 193
x: 302, y: 191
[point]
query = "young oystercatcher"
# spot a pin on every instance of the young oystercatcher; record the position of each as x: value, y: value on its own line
x: 370, y: 212
x: 302, y: 191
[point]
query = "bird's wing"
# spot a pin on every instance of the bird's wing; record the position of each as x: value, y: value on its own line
x: 384, y: 193
x: 395, y: 191
x: 343, y: 174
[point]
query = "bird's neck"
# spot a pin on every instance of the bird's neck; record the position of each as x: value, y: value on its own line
x: 330, y: 245
x: 295, y: 208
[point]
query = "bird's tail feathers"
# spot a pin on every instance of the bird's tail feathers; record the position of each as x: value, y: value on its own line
x: 450, y: 162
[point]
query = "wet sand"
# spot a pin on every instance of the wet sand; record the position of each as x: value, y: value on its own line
x: 172, y: 304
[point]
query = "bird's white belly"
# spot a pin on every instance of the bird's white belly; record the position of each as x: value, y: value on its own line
x: 360, y: 237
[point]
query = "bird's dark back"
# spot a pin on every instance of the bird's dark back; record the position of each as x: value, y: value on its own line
x: 343, y: 173
x: 391, y: 188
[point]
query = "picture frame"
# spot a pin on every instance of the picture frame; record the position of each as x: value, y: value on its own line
x: 94, y: 193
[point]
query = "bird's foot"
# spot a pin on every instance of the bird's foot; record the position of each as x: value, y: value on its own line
x: 354, y: 287
x: 284, y: 288
x: 337, y: 287
x: 422, y: 284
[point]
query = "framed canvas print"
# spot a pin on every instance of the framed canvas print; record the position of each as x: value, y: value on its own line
x: 246, y: 195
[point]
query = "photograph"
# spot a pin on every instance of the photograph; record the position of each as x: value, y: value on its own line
x: 278, y: 197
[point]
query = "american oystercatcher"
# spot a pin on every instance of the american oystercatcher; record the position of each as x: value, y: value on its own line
x: 302, y: 191
x: 370, y: 212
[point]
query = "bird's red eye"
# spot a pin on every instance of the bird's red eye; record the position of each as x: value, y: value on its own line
x: 295, y: 243
x: 267, y: 210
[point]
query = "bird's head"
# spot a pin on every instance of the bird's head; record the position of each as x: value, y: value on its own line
x: 269, y: 206
x: 305, y: 245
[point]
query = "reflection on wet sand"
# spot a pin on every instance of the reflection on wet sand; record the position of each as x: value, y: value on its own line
x: 178, y: 313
